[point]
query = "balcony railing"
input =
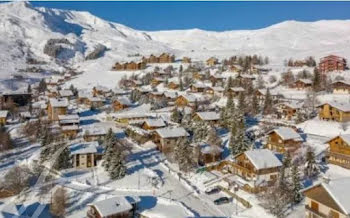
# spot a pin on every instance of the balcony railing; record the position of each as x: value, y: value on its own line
x: 316, y: 214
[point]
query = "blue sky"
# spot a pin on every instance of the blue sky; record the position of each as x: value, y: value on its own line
x: 216, y: 16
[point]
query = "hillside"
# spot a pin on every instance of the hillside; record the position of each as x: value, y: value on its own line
x: 25, y: 30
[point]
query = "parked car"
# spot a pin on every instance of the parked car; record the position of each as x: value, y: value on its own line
x: 222, y: 200
x: 212, y: 190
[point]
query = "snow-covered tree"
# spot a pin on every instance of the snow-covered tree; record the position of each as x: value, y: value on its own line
x: 311, y: 167
x: 284, y: 176
x: 176, y: 116
x: 213, y: 138
x: 63, y: 161
x: 254, y: 105
x: 183, y: 154
x: 200, y: 131
x: 296, y: 186
x: 268, y: 102
x: 117, y: 168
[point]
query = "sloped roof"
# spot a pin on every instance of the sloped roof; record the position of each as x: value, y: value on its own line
x: 287, y: 133
x: 172, y: 132
x: 112, y: 206
x: 209, y: 115
x: 345, y: 107
x: 155, y: 122
x: 66, y: 93
x: 237, y: 89
x: 3, y: 113
x: 306, y: 81
x: 263, y: 158
x: 123, y: 101
x: 83, y: 148
x: 54, y: 102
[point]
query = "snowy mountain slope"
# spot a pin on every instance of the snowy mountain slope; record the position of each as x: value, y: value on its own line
x: 25, y: 30
x: 280, y: 41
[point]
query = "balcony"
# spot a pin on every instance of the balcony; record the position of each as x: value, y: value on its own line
x: 314, y: 213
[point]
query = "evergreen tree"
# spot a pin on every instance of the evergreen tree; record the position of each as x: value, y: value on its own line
x: 241, y: 141
x: 213, y: 138
x: 42, y: 86
x: 183, y: 154
x: 296, y: 186
x: 117, y: 168
x: 109, y: 138
x: 311, y: 167
x: 284, y: 172
x: 255, y: 104
x: 268, y: 102
x: 29, y: 89
x: 316, y: 80
x: 180, y: 69
x: 200, y: 131
x: 176, y: 116
x: 241, y: 103
x: 63, y: 161
x: 229, y: 84
x: 181, y: 85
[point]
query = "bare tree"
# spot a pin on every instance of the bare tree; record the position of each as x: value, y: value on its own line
x: 59, y: 202
x: 17, y: 179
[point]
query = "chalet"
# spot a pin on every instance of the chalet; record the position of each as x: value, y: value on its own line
x: 258, y: 167
x: 69, y: 125
x: 52, y: 92
x: 341, y: 87
x: 94, y: 133
x: 235, y: 91
x: 212, y: 61
x: 66, y: 93
x: 118, y: 207
x: 332, y: 63
x: 198, y: 75
x: 245, y: 79
x: 216, y: 79
x: 3, y: 117
x: 95, y: 102
x: 187, y: 100
x: 235, y: 68
x: 156, y: 96
x: 101, y: 91
x: 129, y: 66
x: 261, y: 93
x: 170, y: 96
x: 303, y: 84
x: 334, y: 111
x: 206, y: 153
x: 166, y: 138
x: 151, y: 59
x: 57, y: 107
x: 144, y: 89
x: 288, y: 110
x: 174, y: 84
x: 129, y: 83
x: 166, y: 58
x: 284, y: 139
x: 339, y: 151
x: 121, y: 103
x: 216, y: 90
x: 328, y: 199
x: 186, y: 60
x: 139, y: 113
x: 152, y: 124
x: 210, y: 117
x: 157, y: 80
x: 198, y: 87
x: 85, y: 154
x: 162, y: 74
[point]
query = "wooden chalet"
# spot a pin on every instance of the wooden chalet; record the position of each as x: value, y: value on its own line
x: 216, y: 79
x: 186, y: 60
x: 235, y: 68
x: 152, y: 124
x: 95, y: 102
x: 129, y: 66
x: 187, y: 100
x: 216, y: 90
x: 198, y: 75
x: 3, y: 117
x: 198, y: 87
x: 261, y: 93
x: 94, y: 133
x: 258, y: 168
x: 101, y: 91
x: 331, y: 63
x: 341, y: 87
x: 212, y: 61
x: 284, y: 139
x: 206, y: 153
x: 157, y: 80
x: 165, y: 138
x: 210, y: 117
x: 338, y: 152
x: 57, y: 107
x: 302, y: 84
x: 156, y: 96
x: 163, y: 58
x: 334, y: 111
x: 85, y: 154
x: 134, y: 114
x: 69, y: 125
x: 245, y: 79
x: 328, y: 199
x: 115, y: 207
x: 121, y: 103
x: 288, y: 110
x: 235, y: 91
x: 174, y: 84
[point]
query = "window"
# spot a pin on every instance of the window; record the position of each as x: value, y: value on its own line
x: 314, y: 205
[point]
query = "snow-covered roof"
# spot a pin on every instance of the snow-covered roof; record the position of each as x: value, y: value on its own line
x: 263, y: 158
x: 70, y: 127
x: 102, y: 88
x: 143, y: 110
x: 306, y: 81
x: 345, y: 138
x: 65, y: 93
x: 341, y: 81
x: 217, y: 88
x: 172, y: 132
x: 293, y: 104
x: 112, y: 206
x: 123, y: 100
x: 237, y: 89
x: 3, y: 113
x: 287, y: 133
x: 199, y: 85
x: 171, y: 95
x: 209, y: 115
x: 68, y: 117
x: 84, y: 148
x: 340, y: 106
x: 155, y: 122
x: 62, y: 102
x: 95, y: 99
x: 94, y: 130
x: 210, y: 149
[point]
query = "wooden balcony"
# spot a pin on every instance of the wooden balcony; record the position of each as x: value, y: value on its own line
x: 338, y: 156
x: 315, y: 213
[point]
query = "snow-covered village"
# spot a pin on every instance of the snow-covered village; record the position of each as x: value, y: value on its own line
x: 98, y: 119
